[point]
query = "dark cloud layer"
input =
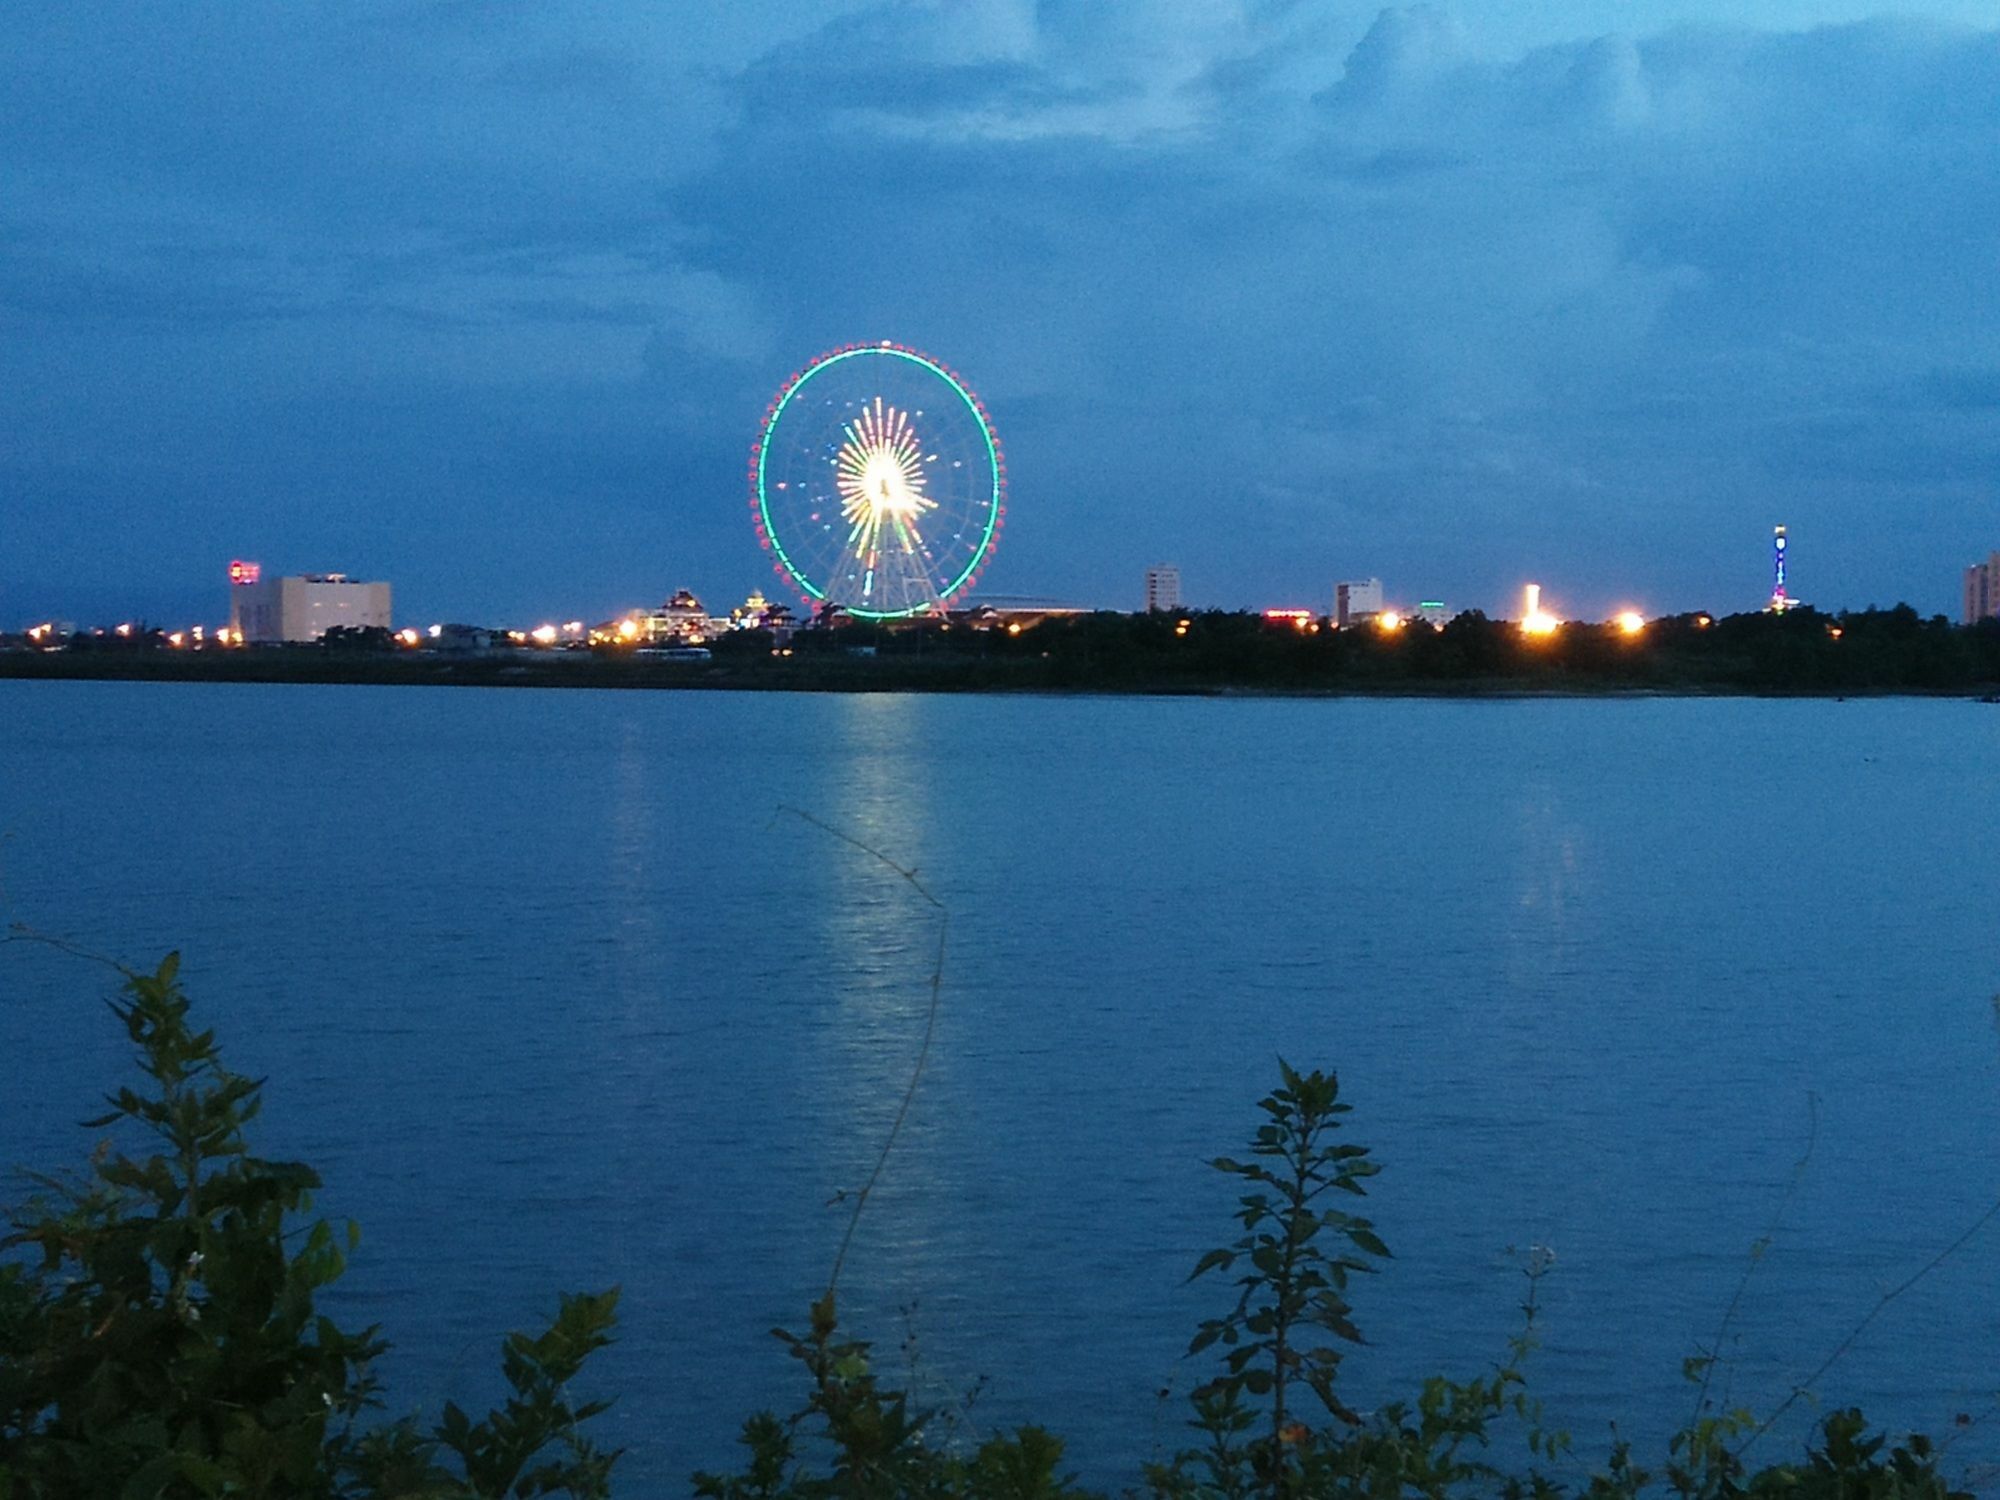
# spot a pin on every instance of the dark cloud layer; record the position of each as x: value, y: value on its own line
x: 488, y: 298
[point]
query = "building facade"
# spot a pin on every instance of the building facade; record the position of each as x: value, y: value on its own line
x: 1356, y: 602
x: 1163, y: 587
x: 1982, y: 591
x: 681, y: 619
x: 306, y: 607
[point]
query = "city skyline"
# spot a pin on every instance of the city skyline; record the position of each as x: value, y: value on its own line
x: 1594, y: 295
x: 1160, y: 588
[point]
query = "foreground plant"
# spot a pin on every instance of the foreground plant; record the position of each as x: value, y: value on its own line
x: 1278, y: 1339
x: 159, y: 1340
x: 857, y: 1439
x: 158, y: 1335
x: 1293, y: 1289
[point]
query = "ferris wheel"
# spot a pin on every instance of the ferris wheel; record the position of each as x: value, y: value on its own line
x: 877, y: 483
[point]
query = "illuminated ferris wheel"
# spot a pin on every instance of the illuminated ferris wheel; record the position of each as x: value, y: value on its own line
x: 877, y: 483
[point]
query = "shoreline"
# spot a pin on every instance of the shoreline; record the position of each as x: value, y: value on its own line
x: 1015, y: 676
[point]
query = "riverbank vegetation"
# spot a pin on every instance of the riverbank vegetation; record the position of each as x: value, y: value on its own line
x: 1799, y: 652
x: 159, y: 1338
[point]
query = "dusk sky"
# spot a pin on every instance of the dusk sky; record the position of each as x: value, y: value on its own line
x: 487, y: 299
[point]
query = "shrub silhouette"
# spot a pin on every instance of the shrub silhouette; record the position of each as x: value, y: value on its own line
x: 158, y: 1338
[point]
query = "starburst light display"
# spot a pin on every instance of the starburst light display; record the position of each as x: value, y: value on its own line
x: 880, y: 475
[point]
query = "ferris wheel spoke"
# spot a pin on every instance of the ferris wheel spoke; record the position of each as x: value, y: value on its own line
x: 902, y: 578
x: 861, y: 539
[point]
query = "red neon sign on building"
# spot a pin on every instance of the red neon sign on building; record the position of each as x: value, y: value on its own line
x: 245, y: 572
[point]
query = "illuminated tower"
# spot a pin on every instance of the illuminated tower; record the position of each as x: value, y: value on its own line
x: 1780, y: 601
x: 1534, y: 619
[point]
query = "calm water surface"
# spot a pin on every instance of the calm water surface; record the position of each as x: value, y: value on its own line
x: 557, y: 997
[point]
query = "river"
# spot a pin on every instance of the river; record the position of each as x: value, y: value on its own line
x: 559, y: 993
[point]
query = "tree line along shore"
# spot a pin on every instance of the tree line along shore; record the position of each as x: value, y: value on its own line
x: 1803, y: 651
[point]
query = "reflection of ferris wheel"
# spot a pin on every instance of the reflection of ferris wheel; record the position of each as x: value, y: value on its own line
x: 877, y: 482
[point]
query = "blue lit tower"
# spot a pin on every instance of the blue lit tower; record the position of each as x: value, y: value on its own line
x: 1780, y: 601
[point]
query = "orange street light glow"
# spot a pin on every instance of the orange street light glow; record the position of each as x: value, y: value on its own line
x: 1389, y: 620
x: 1534, y: 621
x: 627, y: 629
x: 1631, y: 622
x: 544, y: 635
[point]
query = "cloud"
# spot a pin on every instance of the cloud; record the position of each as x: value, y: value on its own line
x: 1406, y: 54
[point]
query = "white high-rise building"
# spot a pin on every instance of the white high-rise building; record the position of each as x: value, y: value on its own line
x: 1163, y: 587
x: 1359, y: 600
x: 1982, y: 591
x: 306, y: 607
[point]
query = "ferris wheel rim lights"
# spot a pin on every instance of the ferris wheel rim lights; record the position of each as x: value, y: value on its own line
x: 992, y: 500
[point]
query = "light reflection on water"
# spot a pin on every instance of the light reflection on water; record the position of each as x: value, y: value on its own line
x: 557, y: 997
x: 880, y: 937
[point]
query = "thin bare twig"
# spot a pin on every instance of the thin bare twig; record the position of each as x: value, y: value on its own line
x: 1965, y: 1423
x: 1874, y: 1312
x: 20, y: 932
x: 1757, y: 1253
x: 930, y: 1026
